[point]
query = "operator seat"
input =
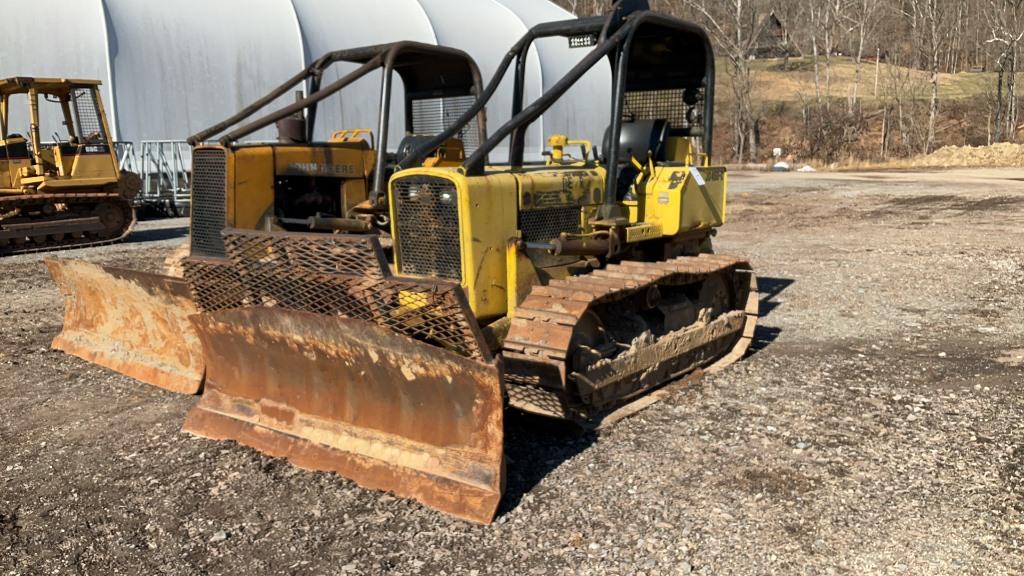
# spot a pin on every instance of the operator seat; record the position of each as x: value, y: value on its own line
x: 638, y: 139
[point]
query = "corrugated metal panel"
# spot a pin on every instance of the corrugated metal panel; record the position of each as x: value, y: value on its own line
x: 178, y: 67
x: 328, y: 26
x: 584, y: 110
x: 487, y: 45
x: 54, y: 38
x: 181, y: 66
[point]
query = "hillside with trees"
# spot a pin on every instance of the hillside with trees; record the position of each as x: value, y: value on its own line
x: 857, y: 80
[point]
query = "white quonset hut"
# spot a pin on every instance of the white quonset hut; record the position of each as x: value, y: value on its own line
x: 172, y: 68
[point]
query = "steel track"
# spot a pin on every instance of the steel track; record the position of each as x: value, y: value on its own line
x: 10, y: 203
x: 538, y: 349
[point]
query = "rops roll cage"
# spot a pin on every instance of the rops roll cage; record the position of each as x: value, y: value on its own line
x: 646, y: 50
x: 427, y: 71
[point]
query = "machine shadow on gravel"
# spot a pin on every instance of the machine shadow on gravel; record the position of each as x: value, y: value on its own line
x: 157, y: 235
x: 769, y: 288
x: 763, y: 337
x: 534, y: 447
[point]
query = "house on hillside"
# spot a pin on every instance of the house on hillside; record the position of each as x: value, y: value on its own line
x: 774, y: 41
x: 879, y: 56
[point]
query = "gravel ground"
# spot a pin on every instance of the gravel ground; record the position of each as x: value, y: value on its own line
x: 876, y: 428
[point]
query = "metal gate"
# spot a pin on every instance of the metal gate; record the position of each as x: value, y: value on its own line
x: 165, y: 169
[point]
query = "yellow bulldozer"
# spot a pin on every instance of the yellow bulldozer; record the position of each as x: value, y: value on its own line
x: 296, y: 183
x: 68, y: 192
x: 568, y: 288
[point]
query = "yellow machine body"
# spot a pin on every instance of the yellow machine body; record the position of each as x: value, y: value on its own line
x: 66, y: 193
x: 677, y: 202
x: 13, y: 166
x: 256, y: 172
x: 85, y: 160
x: 387, y: 350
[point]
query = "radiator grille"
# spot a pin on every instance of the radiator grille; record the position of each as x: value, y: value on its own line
x: 427, y: 227
x: 209, y: 191
x: 432, y: 116
x: 547, y: 223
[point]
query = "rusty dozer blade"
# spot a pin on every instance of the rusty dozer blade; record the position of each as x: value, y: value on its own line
x: 132, y: 322
x: 350, y: 396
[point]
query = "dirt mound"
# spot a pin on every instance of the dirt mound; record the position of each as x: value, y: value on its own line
x: 1002, y: 154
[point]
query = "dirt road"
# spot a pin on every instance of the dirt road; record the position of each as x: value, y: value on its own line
x: 878, y: 427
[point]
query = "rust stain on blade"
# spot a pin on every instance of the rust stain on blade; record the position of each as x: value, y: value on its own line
x: 132, y: 322
x: 348, y: 396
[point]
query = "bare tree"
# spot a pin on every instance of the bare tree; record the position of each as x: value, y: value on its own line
x: 1006, y: 24
x: 915, y: 44
x: 735, y: 26
x: 818, y: 15
x: 928, y: 18
x: 863, y: 19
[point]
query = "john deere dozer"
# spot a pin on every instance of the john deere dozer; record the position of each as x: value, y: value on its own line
x: 567, y: 288
x: 138, y: 323
x: 69, y: 192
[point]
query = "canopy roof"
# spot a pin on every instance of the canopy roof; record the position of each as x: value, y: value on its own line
x: 22, y: 84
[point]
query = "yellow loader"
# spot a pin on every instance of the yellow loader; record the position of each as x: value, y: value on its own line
x: 139, y: 324
x: 568, y: 288
x: 64, y: 193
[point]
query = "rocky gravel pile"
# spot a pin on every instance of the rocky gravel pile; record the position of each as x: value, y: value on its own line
x: 877, y: 427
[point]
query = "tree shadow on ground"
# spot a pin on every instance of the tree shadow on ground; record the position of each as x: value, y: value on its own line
x: 534, y: 447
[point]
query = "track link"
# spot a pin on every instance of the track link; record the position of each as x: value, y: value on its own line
x: 539, y: 346
x: 13, y: 202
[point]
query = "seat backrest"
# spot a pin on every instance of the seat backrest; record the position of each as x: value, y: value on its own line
x: 408, y: 144
x: 17, y: 147
x: 640, y: 138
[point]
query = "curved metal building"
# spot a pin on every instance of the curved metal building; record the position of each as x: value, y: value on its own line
x: 172, y: 68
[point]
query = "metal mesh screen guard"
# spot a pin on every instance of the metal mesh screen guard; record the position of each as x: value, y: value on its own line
x: 209, y: 192
x: 343, y: 275
x: 659, y: 105
x: 87, y: 116
x: 545, y: 224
